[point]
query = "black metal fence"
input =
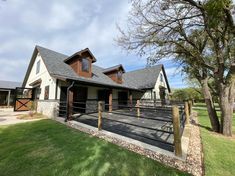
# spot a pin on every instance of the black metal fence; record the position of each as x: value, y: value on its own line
x: 113, y: 117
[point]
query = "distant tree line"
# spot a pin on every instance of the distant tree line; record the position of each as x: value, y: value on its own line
x: 183, y: 94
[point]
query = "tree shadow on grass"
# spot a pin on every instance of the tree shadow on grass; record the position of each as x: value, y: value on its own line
x: 201, y: 126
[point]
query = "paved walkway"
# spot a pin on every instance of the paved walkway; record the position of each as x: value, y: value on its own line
x: 8, y: 116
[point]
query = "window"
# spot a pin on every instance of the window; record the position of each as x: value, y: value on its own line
x: 161, y: 77
x: 119, y: 75
x: 37, y: 93
x: 85, y: 65
x: 38, y: 67
x: 46, y: 93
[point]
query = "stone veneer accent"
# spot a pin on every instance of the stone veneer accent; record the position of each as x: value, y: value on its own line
x: 48, y: 107
x: 91, y: 106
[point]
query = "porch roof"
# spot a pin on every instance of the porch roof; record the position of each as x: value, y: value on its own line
x: 9, y: 84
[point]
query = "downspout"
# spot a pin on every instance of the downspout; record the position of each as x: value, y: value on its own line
x: 56, y: 88
x: 67, y: 102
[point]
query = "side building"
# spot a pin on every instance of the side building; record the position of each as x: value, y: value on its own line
x: 7, y: 92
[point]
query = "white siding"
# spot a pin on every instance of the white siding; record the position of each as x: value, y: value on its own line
x: 43, y: 74
x: 160, y: 83
x: 93, y: 92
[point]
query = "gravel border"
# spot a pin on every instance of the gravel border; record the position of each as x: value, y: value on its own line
x: 193, y: 163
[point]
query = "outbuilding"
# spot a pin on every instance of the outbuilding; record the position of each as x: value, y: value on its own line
x: 7, y: 92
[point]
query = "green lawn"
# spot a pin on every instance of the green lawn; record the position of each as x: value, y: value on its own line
x: 203, y: 105
x: 219, y: 151
x: 48, y: 148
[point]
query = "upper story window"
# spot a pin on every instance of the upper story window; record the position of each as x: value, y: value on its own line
x: 85, y: 65
x: 161, y: 77
x: 38, y: 67
x: 46, y: 93
x: 119, y: 75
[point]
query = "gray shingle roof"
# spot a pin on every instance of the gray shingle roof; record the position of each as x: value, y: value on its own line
x: 113, y: 68
x: 144, y: 78
x: 56, y: 66
x: 54, y: 61
x: 9, y: 84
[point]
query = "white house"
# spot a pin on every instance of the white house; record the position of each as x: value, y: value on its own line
x: 57, y: 79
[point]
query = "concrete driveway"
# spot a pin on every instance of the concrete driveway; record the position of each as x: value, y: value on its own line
x: 8, y: 116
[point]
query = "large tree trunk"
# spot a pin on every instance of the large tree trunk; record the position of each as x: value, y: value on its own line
x: 226, y: 105
x: 210, y: 106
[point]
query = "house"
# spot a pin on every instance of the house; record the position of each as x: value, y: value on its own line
x: 57, y: 78
x: 7, y: 92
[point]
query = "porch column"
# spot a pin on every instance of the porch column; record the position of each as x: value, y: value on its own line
x: 9, y: 98
x: 155, y: 99
x: 130, y: 98
x: 70, y: 104
x: 110, y: 100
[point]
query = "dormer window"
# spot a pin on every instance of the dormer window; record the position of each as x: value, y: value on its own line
x: 85, y: 65
x: 115, y: 73
x: 81, y: 62
x: 119, y: 75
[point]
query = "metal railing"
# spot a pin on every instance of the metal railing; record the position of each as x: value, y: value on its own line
x: 173, y: 118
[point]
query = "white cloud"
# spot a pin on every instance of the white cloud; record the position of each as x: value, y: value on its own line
x: 66, y: 27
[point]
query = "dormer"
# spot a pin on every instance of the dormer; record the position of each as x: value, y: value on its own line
x: 81, y: 62
x: 115, y: 73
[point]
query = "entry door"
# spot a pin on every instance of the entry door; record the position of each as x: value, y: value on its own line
x: 122, y: 99
x: 103, y: 95
x: 63, y: 94
x: 80, y: 98
x: 63, y: 102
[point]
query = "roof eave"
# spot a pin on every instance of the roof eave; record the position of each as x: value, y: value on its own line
x: 79, y: 54
x: 116, y: 68
x: 95, y: 83
x: 35, y: 52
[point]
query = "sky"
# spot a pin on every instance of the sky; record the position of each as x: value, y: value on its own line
x: 67, y: 27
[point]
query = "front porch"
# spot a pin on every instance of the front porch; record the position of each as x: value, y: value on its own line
x: 82, y: 98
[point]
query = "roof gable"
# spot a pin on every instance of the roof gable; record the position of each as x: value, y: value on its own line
x: 145, y: 78
x: 114, y: 68
x: 79, y: 53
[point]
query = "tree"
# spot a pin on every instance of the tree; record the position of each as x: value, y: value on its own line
x: 192, y: 65
x: 199, y: 34
x: 186, y: 94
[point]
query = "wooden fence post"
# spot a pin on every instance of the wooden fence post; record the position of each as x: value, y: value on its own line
x: 176, y: 130
x: 186, y: 110
x: 100, y: 108
x: 138, y: 108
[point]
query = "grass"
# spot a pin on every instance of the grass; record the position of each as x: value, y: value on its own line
x: 30, y: 115
x: 219, y: 151
x: 202, y: 105
x: 46, y: 147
